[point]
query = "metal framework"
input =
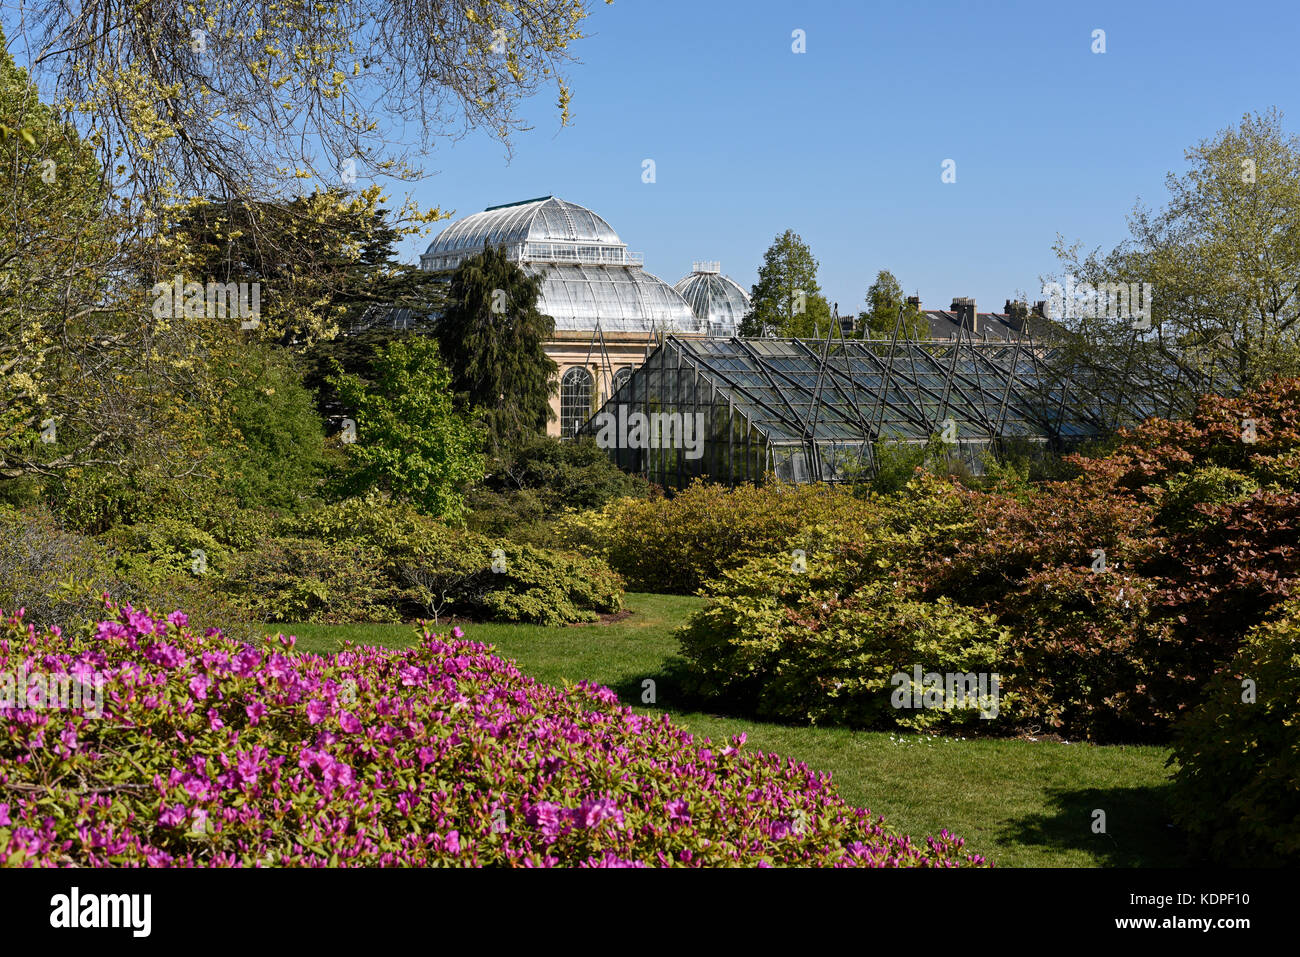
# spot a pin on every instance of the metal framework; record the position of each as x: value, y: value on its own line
x: 814, y: 410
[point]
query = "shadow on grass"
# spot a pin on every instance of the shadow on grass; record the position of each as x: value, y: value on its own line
x: 669, y: 686
x: 1137, y: 822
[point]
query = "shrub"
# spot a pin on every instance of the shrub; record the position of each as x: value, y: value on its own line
x: 165, y: 546
x: 56, y: 574
x: 298, y: 579
x: 1179, y: 509
x: 675, y: 545
x: 209, y: 752
x: 800, y: 646
x: 474, y: 576
x: 1237, y: 782
x: 434, y: 570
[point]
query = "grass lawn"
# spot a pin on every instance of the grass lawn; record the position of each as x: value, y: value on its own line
x: 1021, y: 803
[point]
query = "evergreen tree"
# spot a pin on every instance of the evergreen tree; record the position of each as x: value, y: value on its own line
x: 786, y: 300
x: 492, y: 336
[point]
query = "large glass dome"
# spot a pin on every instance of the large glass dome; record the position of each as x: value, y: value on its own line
x: 718, y: 301
x: 588, y: 276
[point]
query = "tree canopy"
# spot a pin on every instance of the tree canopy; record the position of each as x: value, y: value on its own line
x: 1223, y: 260
x: 493, y: 338
x: 884, y: 300
x: 787, y: 300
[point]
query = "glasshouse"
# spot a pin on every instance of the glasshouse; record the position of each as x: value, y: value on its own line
x: 589, y: 277
x: 736, y: 410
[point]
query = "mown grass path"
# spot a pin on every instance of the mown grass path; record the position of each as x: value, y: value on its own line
x: 1021, y: 803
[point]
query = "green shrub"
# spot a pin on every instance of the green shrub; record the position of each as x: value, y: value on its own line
x: 298, y: 579
x: 675, y: 545
x: 373, y: 519
x: 274, y: 454
x: 1211, y: 485
x: 800, y: 646
x: 432, y: 570
x: 1237, y: 783
x: 58, y: 575
x: 165, y: 546
x: 473, y: 576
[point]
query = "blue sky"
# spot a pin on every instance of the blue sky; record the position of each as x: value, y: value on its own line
x: 845, y: 143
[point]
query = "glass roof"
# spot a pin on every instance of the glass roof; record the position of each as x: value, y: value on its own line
x: 714, y: 298
x: 621, y: 298
x: 543, y: 220
x: 796, y: 391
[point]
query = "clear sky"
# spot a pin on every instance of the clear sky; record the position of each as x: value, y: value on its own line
x: 845, y: 143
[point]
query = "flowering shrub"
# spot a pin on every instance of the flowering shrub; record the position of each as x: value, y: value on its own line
x: 210, y: 752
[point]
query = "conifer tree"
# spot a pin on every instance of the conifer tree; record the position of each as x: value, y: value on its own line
x: 492, y: 337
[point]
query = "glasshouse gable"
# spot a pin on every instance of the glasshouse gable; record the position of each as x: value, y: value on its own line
x: 736, y: 410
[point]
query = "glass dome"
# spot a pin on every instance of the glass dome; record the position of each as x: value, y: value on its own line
x: 588, y: 276
x: 717, y: 301
x: 546, y: 229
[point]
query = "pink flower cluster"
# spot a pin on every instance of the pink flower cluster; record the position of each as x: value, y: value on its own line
x: 210, y: 752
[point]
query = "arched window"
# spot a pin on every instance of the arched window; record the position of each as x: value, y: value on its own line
x: 575, y: 399
x: 621, y: 376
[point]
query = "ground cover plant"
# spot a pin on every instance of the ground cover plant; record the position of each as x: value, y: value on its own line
x: 200, y: 750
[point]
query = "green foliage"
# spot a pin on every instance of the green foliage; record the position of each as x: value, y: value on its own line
x: 56, y: 574
x: 542, y: 478
x: 1223, y: 256
x: 479, y: 577
x: 431, y: 570
x: 493, y: 337
x: 298, y: 579
x: 885, y: 299
x: 1237, y: 755
x: 321, y: 259
x: 276, y: 454
x: 787, y: 300
x: 1210, y: 485
x: 166, y: 546
x: 804, y: 646
x: 675, y: 545
x: 410, y: 442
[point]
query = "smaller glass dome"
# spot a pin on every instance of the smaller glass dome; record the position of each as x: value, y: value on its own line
x: 718, y: 301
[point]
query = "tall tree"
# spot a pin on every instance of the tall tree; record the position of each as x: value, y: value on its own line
x: 1223, y: 260
x: 786, y: 300
x: 89, y: 379
x: 884, y: 299
x: 493, y: 337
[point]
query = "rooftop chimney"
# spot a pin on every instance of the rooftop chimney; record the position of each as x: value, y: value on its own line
x: 967, y: 316
x: 1017, y: 312
x: 914, y: 302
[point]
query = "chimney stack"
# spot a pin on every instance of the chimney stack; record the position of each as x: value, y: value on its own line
x: 1017, y: 312
x: 967, y: 316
